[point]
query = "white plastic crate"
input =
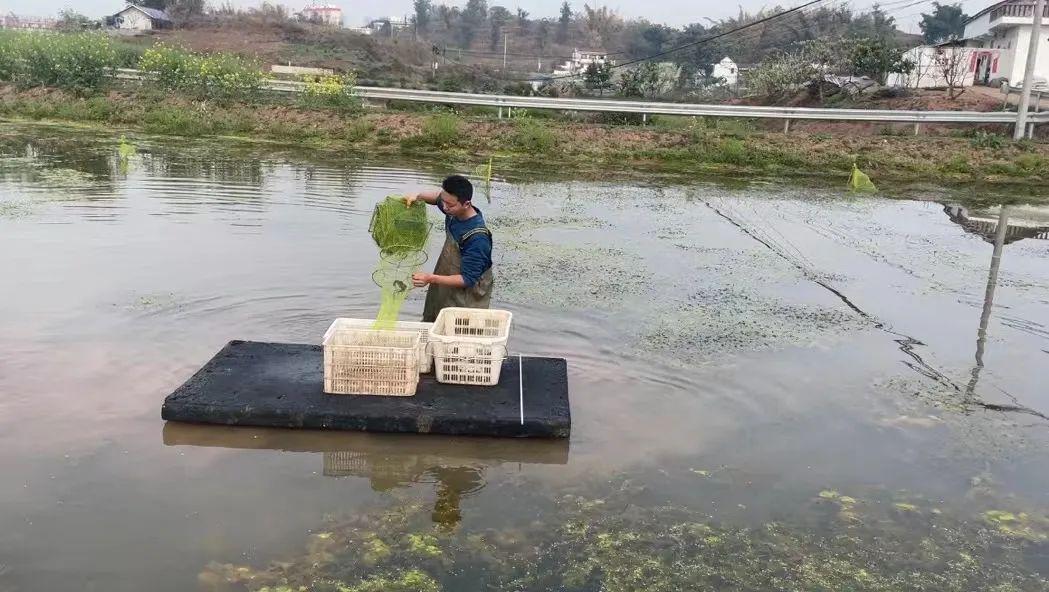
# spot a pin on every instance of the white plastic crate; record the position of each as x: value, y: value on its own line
x: 369, y: 362
x: 425, y: 357
x: 469, y: 345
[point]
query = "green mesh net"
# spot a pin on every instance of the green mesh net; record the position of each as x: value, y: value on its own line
x: 401, y: 233
x: 859, y: 181
x: 482, y: 176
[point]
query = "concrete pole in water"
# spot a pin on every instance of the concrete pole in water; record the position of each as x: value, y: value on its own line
x: 1032, y: 56
x: 988, y: 297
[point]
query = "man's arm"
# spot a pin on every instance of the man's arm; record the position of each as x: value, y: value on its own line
x: 421, y: 279
x: 429, y: 197
x: 476, y: 258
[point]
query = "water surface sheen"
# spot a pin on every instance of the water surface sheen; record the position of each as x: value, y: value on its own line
x: 732, y: 351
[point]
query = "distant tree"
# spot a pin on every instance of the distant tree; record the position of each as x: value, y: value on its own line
x: 781, y: 76
x: 177, y: 9
x: 642, y: 81
x: 877, y: 58
x: 876, y: 24
x: 447, y: 15
x: 598, y: 77
x: 542, y: 34
x: 563, y: 22
x: 602, y: 23
x: 952, y: 63
x: 157, y: 4
x: 523, y: 24
x: 423, y: 12
x: 474, y: 16
x: 644, y: 39
x: 946, y: 22
x: 71, y: 20
x: 498, y: 17
x: 823, y: 56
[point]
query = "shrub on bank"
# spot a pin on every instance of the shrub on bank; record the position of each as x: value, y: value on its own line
x: 439, y: 131
x: 78, y: 62
x: 533, y: 137
x: 215, y: 76
x: 331, y: 92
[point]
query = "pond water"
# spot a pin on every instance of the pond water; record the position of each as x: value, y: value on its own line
x: 741, y: 360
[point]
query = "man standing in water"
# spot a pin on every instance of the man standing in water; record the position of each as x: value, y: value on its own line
x: 463, y: 274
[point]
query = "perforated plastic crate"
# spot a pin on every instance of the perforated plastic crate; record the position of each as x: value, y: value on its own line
x: 425, y: 355
x: 469, y: 345
x: 369, y: 362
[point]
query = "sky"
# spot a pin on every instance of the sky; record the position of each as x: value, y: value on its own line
x: 671, y: 12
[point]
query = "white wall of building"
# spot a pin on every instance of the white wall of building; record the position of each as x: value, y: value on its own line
x: 928, y: 71
x: 727, y: 70
x: 132, y: 18
x: 978, y: 27
x: 1012, y: 40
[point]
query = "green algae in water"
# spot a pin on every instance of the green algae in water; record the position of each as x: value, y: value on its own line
x: 620, y: 544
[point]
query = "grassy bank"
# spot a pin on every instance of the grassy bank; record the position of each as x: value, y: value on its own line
x: 667, y: 145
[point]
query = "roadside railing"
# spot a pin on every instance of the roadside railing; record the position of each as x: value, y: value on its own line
x: 787, y: 114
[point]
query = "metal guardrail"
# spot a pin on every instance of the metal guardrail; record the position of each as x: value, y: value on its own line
x: 657, y: 108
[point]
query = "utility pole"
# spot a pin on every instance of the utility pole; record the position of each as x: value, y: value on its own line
x: 506, y: 36
x: 1032, y: 55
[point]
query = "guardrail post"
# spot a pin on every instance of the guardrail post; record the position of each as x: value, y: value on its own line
x: 510, y: 112
x: 644, y: 118
x: 917, y: 127
x: 786, y: 126
x: 500, y: 111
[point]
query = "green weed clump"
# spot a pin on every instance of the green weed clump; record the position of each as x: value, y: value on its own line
x: 78, y: 62
x: 533, y: 137
x: 982, y: 139
x: 439, y: 131
x: 216, y: 76
x: 957, y: 164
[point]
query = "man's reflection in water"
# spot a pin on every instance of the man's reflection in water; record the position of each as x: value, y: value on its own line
x: 388, y: 472
x: 452, y: 484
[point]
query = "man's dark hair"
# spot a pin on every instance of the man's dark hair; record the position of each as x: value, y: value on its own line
x: 460, y: 187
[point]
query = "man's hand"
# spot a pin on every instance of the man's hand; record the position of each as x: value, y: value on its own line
x: 410, y: 199
x: 420, y: 279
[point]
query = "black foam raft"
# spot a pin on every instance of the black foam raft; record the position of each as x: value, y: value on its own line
x: 281, y: 385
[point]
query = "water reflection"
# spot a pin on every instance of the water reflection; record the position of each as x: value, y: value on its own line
x: 999, y: 232
x: 706, y: 369
x: 456, y: 466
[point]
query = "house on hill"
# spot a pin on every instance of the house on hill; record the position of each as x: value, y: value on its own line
x: 726, y: 70
x: 325, y: 14
x: 581, y: 60
x: 1000, y: 36
x: 140, y: 18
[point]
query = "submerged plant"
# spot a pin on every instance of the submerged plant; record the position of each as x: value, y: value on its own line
x: 617, y: 544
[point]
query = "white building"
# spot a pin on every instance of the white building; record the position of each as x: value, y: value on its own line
x: 726, y: 70
x: 581, y: 60
x: 326, y: 14
x: 1000, y: 36
x: 140, y: 18
x: 933, y: 64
